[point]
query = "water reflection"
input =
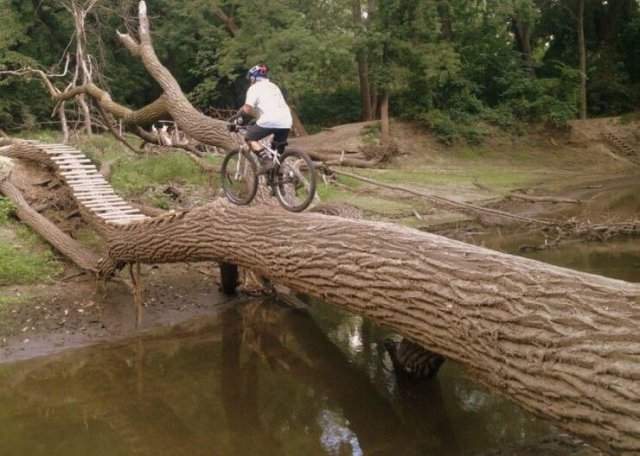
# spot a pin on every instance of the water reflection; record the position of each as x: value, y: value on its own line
x: 259, y: 380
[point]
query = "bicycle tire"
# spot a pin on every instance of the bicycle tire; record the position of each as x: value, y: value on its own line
x: 296, y: 171
x: 240, y: 184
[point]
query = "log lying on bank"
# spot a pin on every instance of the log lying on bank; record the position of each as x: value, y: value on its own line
x: 561, y: 343
x: 72, y: 249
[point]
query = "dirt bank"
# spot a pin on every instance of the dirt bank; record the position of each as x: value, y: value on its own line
x: 43, y: 319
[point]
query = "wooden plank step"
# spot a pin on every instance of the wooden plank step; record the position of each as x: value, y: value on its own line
x: 89, y: 190
x: 70, y: 153
x: 67, y: 157
x: 87, y: 181
x: 64, y: 161
x: 104, y: 206
x: 82, y: 188
x: 113, y: 214
x: 79, y: 172
x: 123, y: 217
x: 123, y: 222
x: 72, y: 166
x: 63, y: 152
x: 89, y: 186
x: 98, y: 197
x: 57, y: 146
x: 101, y: 204
x: 97, y: 202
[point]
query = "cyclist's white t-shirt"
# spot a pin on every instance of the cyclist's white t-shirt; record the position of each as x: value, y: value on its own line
x: 266, y: 98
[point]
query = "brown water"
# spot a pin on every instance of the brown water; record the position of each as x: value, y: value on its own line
x: 264, y: 380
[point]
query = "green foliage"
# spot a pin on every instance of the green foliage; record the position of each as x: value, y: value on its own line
x: 552, y: 100
x: 322, y: 109
x: 451, y: 129
x: 446, y: 64
x: 6, y: 210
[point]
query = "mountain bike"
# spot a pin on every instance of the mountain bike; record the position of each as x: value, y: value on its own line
x: 290, y: 175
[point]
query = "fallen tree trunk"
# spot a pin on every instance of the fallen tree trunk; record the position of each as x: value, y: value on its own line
x: 561, y: 343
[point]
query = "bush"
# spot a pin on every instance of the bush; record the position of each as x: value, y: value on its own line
x: 319, y: 110
x: 6, y: 210
x: 449, y: 129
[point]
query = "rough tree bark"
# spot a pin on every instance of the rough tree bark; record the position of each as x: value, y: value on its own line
x: 561, y: 343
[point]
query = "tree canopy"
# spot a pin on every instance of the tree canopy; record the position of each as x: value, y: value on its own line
x: 444, y: 63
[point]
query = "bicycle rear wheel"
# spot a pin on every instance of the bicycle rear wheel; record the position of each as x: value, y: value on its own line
x: 239, y: 177
x: 295, y: 181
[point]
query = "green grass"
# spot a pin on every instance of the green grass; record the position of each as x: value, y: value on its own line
x: 26, y: 259
x: 492, y: 176
x: 132, y: 175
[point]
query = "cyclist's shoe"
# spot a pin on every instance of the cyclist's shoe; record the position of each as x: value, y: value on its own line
x: 266, y: 162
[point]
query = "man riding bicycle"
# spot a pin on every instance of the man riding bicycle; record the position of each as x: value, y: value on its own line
x: 265, y: 101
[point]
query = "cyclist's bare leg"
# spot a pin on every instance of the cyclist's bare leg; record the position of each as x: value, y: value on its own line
x: 255, y: 146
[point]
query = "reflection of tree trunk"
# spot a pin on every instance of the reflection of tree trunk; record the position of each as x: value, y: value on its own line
x: 583, y: 61
x: 323, y: 365
x: 240, y: 387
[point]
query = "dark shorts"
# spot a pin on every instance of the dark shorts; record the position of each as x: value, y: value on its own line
x: 280, y: 135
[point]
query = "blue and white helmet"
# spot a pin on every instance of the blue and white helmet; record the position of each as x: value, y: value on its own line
x: 258, y: 71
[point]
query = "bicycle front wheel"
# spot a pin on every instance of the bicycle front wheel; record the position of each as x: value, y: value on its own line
x: 239, y: 177
x: 295, y: 181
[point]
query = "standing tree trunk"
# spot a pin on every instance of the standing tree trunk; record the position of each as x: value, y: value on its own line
x: 298, y: 126
x: 63, y: 123
x: 363, y: 65
x: 583, y: 61
x: 385, y: 130
x: 83, y: 65
x: 522, y: 32
x: 444, y: 14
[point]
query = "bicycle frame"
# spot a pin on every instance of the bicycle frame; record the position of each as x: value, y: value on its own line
x: 265, y: 142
